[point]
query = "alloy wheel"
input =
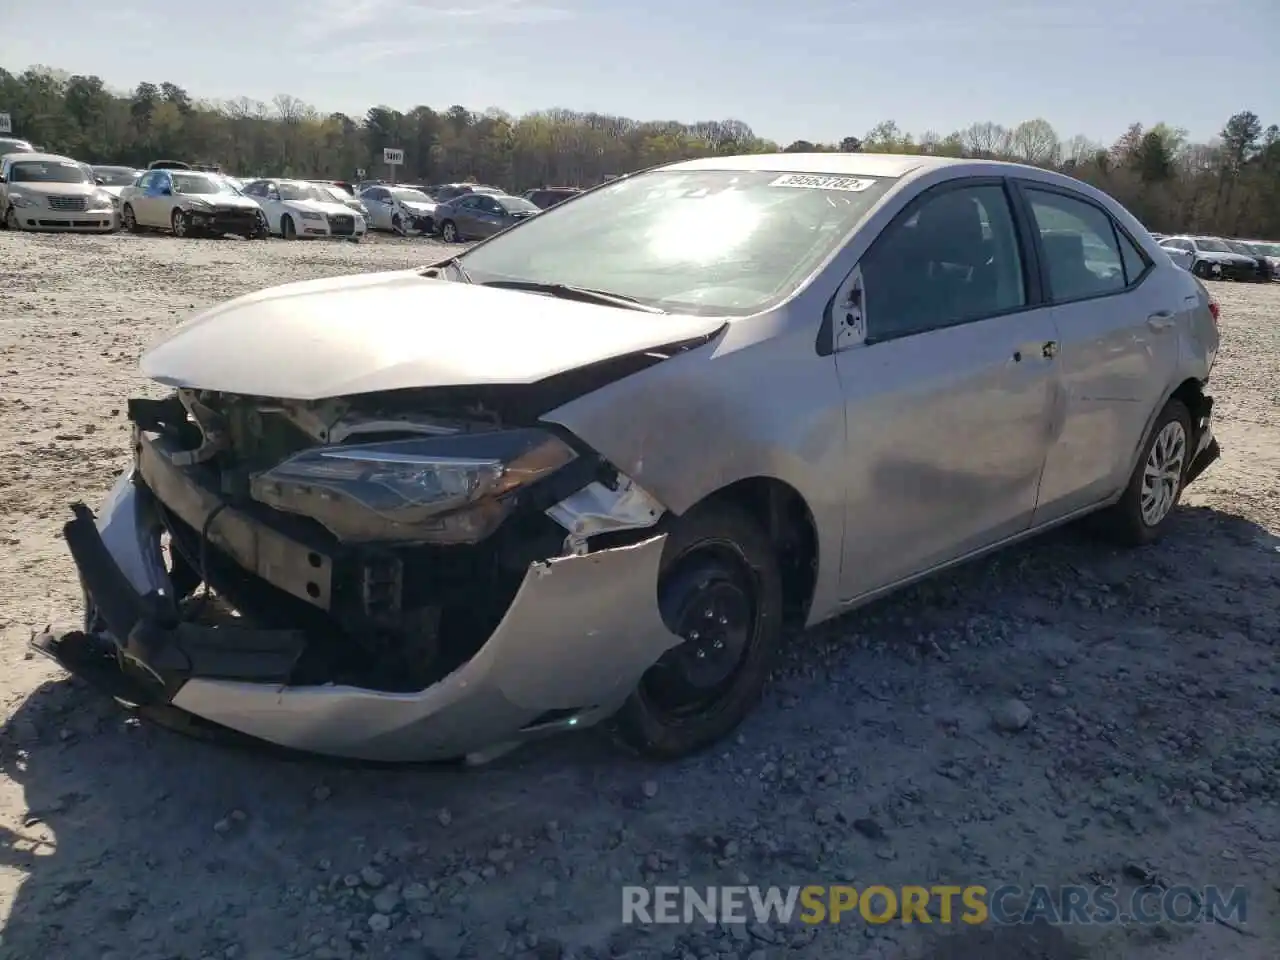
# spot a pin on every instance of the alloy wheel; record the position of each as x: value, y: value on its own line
x: 1162, y: 474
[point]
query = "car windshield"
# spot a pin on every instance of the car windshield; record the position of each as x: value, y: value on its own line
x: 1213, y: 246
x: 300, y: 191
x: 516, y: 205
x: 719, y: 242
x: 48, y: 171
x: 199, y: 183
x: 9, y: 145
x: 1268, y: 249
x: 115, y: 176
x: 1235, y: 246
x: 413, y: 196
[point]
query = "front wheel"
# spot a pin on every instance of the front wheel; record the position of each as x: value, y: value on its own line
x: 129, y: 219
x: 181, y: 223
x: 11, y: 219
x: 287, y: 230
x: 1141, y: 515
x: 720, y: 590
x: 449, y: 232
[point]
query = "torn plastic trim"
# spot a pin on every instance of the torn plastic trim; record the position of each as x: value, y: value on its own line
x: 597, y: 509
x: 535, y: 661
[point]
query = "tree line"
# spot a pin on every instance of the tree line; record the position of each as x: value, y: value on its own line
x: 1229, y: 187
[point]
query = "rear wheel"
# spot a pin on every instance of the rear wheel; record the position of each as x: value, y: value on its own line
x: 1141, y: 515
x: 720, y: 590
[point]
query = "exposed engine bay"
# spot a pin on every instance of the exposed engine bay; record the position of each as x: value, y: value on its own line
x: 393, y: 534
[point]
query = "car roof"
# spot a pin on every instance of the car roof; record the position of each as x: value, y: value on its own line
x: 45, y: 157
x: 836, y: 164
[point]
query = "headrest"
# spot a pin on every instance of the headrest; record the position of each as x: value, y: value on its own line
x: 951, y: 227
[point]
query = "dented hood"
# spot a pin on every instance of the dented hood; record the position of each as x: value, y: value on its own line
x: 394, y: 331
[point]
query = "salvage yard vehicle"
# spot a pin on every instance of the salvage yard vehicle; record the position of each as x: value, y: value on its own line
x: 296, y: 209
x: 477, y: 215
x: 189, y: 203
x: 45, y: 191
x: 1263, y: 272
x: 114, y: 179
x: 1212, y: 259
x: 399, y: 209
x: 14, y: 145
x: 1269, y: 250
x: 597, y: 466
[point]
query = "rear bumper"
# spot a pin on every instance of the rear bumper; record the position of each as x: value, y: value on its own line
x: 571, y: 647
x: 1207, y: 449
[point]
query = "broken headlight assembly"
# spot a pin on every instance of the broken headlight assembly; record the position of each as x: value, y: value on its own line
x: 443, y: 489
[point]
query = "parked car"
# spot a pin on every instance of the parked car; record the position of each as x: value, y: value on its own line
x: 13, y: 145
x: 1269, y: 250
x: 545, y: 197
x: 1212, y: 259
x: 1263, y: 273
x: 298, y: 209
x: 598, y: 465
x: 113, y: 179
x: 443, y: 193
x: 400, y: 209
x: 1184, y: 258
x: 189, y: 203
x: 477, y: 215
x: 343, y: 196
x: 46, y: 191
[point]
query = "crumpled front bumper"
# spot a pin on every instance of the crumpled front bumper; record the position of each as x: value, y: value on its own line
x: 572, y: 646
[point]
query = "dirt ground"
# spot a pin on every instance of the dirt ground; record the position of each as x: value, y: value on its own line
x: 1149, y: 680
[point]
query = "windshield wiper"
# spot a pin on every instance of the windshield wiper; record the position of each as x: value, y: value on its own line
x: 565, y: 291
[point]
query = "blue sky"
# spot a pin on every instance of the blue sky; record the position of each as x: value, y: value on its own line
x: 817, y: 69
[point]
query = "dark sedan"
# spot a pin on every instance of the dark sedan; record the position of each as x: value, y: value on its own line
x: 475, y: 216
x: 1264, y: 272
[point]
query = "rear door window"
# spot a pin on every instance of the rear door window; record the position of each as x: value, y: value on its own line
x: 1080, y: 247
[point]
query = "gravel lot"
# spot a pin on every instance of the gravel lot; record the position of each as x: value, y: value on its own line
x: 1150, y: 681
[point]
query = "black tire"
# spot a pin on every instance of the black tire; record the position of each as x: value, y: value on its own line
x: 1127, y: 523
x: 129, y: 220
x: 11, y: 220
x: 287, y: 230
x: 397, y: 225
x: 717, y: 559
x: 449, y: 232
x: 180, y: 223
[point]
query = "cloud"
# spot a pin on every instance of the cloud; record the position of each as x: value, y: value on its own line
x: 381, y: 29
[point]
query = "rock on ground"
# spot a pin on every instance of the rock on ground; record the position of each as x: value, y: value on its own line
x: 1148, y: 678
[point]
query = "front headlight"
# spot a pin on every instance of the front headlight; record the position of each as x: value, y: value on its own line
x: 447, y: 489
x: 308, y: 215
x: 101, y: 200
x: 18, y: 200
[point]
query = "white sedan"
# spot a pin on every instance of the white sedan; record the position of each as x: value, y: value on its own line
x: 297, y: 209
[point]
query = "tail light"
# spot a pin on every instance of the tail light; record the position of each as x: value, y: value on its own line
x: 1215, y: 310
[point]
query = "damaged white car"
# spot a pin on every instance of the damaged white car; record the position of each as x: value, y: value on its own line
x: 597, y: 466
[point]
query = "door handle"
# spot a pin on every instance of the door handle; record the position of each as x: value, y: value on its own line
x: 1160, y: 320
x: 1050, y: 349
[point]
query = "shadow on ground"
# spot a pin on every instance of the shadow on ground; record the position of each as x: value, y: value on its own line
x: 137, y: 840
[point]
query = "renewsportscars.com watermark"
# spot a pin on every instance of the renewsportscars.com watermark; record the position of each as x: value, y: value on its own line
x: 974, y: 904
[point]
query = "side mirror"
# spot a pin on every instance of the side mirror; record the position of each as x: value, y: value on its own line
x: 100, y: 181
